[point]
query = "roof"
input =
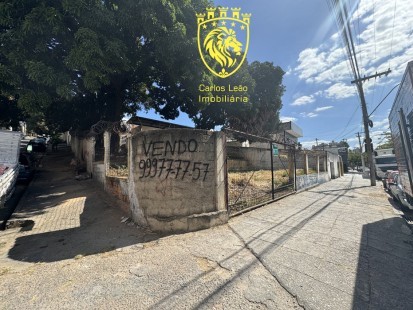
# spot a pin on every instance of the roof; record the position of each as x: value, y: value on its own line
x: 292, y: 129
x: 147, y: 122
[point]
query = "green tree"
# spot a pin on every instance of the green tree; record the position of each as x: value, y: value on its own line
x: 90, y: 60
x: 343, y: 143
x: 387, y: 142
x: 354, y: 158
x: 260, y: 116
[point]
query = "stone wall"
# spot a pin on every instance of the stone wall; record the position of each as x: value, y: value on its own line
x: 178, y: 177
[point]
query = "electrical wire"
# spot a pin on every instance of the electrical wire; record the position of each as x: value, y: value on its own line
x: 374, y: 29
x: 348, y: 123
x: 358, y: 37
x: 349, y: 133
x: 392, y: 32
x: 383, y: 99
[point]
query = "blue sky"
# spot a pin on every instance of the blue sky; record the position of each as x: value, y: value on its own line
x: 301, y: 37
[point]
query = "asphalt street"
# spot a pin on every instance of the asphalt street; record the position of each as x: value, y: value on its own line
x: 340, y: 245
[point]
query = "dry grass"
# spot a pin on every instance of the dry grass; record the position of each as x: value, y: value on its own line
x: 118, y: 172
x: 301, y: 171
x: 253, y: 187
x: 258, y: 179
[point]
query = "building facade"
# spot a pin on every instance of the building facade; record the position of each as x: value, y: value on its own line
x: 401, y: 127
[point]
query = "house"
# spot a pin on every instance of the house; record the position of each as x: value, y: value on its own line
x: 338, y: 148
x: 289, y: 133
x: 150, y: 124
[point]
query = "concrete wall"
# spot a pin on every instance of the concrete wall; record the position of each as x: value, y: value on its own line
x: 119, y: 188
x: 178, y: 179
x: 334, y: 165
x: 84, y: 151
x: 306, y: 181
x: 99, y: 173
x: 76, y: 147
x: 252, y: 158
x: 88, y: 153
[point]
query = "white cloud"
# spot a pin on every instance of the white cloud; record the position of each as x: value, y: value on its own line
x: 303, y: 100
x: 310, y: 114
x: 382, y: 40
x: 319, y: 109
x: 383, y: 124
x: 288, y: 119
x: 340, y: 91
x: 289, y: 71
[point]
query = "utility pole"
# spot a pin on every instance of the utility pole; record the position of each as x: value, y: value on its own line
x: 366, y: 121
x: 361, y: 152
x: 343, y: 22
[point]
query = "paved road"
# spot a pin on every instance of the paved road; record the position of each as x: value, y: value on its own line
x: 341, y: 245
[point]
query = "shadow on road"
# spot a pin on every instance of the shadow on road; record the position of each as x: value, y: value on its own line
x: 68, y: 217
x: 384, y: 277
x: 313, y: 209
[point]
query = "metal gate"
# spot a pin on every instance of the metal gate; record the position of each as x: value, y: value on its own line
x: 259, y: 170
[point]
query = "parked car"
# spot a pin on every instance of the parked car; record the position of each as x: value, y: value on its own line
x: 385, y: 177
x: 37, y: 145
x: 27, y: 167
x: 397, y: 191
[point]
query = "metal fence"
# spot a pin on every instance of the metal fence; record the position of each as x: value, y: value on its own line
x: 258, y: 170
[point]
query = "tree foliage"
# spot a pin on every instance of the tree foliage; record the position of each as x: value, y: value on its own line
x: 88, y: 60
x: 354, y: 158
x: 70, y: 63
x: 260, y: 116
x: 387, y: 142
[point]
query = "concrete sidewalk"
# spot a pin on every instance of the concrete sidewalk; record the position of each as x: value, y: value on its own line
x: 341, y: 245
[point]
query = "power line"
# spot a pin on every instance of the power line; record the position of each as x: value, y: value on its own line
x: 374, y: 28
x: 392, y: 32
x: 383, y: 99
x: 342, y: 17
x: 348, y: 123
x: 350, y: 132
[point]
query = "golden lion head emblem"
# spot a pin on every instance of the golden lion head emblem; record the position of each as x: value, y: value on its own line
x: 221, y: 43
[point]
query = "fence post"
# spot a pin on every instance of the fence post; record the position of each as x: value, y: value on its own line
x: 305, y: 163
x: 291, y: 166
x: 106, y: 144
x: 272, y: 172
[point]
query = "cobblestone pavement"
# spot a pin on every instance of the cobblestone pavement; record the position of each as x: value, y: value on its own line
x: 341, y: 245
